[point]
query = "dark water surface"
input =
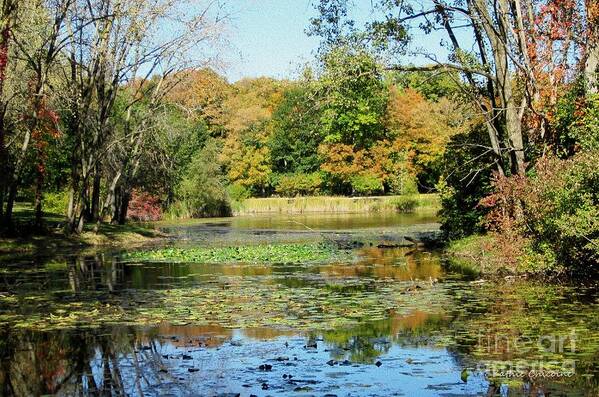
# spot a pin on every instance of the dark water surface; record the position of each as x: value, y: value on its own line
x: 392, y: 322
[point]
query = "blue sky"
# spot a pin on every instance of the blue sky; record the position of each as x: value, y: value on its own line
x: 268, y: 37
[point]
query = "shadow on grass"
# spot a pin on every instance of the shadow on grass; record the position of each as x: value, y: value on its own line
x: 25, y: 236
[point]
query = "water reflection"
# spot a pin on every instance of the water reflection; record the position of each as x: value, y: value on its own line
x: 421, y: 352
x: 105, y: 272
x: 305, y: 222
x: 399, y: 355
x: 212, y: 360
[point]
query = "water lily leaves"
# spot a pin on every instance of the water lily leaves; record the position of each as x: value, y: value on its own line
x: 267, y: 253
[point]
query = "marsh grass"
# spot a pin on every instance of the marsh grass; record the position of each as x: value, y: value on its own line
x: 330, y: 204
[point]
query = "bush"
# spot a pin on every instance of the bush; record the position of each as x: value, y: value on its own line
x: 576, y: 122
x: 202, y: 191
x: 404, y: 183
x: 553, y: 213
x: 299, y: 184
x: 238, y: 192
x: 466, y: 180
x: 367, y: 185
x: 144, y: 207
x: 56, y: 202
x: 405, y: 204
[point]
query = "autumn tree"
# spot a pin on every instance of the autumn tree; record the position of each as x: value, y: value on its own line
x: 424, y: 127
x: 202, y: 93
x: 246, y: 154
x: 499, y: 74
x: 38, y: 37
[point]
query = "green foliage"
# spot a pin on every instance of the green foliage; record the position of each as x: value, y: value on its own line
x: 466, y: 180
x: 403, y: 183
x: 432, y: 87
x: 576, y: 122
x: 238, y: 192
x: 570, y: 226
x: 56, y: 202
x: 299, y: 184
x: 352, y: 98
x: 280, y: 253
x: 202, y: 190
x: 295, y: 139
x: 367, y: 185
x: 170, y: 149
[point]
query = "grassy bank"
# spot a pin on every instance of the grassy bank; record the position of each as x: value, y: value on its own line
x: 130, y: 235
x: 488, y: 255
x: 53, y: 237
x: 468, y: 255
x: 331, y: 204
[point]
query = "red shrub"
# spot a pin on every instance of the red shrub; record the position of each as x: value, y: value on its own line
x: 144, y: 207
x: 552, y: 214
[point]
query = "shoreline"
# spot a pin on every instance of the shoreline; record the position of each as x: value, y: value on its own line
x: 108, y: 236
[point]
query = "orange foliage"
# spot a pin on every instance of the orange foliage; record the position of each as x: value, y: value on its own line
x: 418, y: 131
x: 252, y: 101
x: 247, y: 110
x: 385, y: 160
x: 418, y: 126
x: 45, y: 131
x: 203, y: 92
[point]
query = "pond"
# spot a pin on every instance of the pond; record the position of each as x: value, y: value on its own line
x: 381, y: 319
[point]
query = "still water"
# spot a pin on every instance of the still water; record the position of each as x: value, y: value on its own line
x: 393, y: 321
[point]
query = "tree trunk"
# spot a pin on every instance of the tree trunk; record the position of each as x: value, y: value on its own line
x: 512, y: 116
x: 592, y: 56
x: 2, y: 195
x: 4, y: 47
x: 125, y: 198
x: 12, y: 195
x: 74, y: 201
x: 39, y: 199
x: 117, y: 206
x: 95, y: 199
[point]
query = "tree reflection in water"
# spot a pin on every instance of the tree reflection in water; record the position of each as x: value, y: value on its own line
x: 94, y: 362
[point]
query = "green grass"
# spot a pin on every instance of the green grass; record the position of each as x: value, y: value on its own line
x: 334, y: 204
x: 279, y: 253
